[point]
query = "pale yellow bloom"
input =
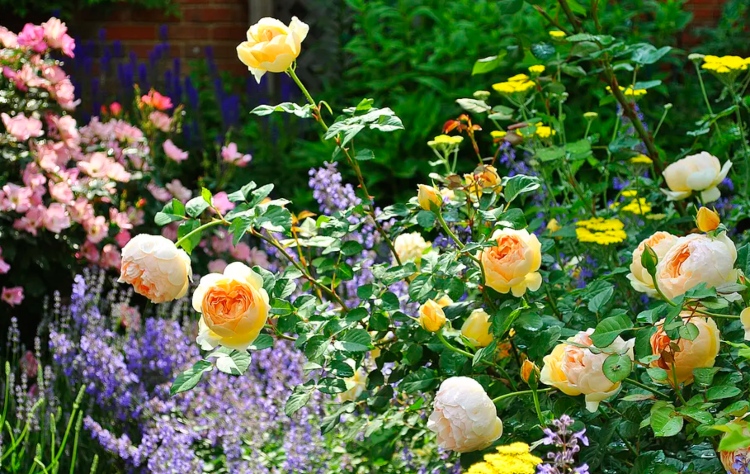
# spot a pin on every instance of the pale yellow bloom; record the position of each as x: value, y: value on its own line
x: 156, y: 268
x: 556, y: 34
x: 477, y: 329
x: 512, y: 265
x: 707, y: 220
x: 272, y: 46
x: 640, y: 278
x: 641, y: 159
x: 536, y: 69
x: 431, y: 316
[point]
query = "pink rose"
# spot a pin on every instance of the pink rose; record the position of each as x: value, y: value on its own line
x: 4, y: 267
x: 56, y: 218
x: 160, y: 120
x: 222, y: 203
x: 21, y: 127
x: 81, y: 210
x: 65, y: 94
x: 241, y: 252
x: 55, y: 32
x: 13, y: 296
x: 33, y: 220
x: 32, y: 36
x: 53, y: 73
x: 173, y: 152
x: 179, y: 192
x: 115, y: 108
x: 97, y: 165
x: 230, y: 155
x: 67, y: 129
x: 120, y: 219
x: 7, y: 38
x: 88, y: 252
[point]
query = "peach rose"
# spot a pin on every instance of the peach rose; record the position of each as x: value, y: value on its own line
x: 431, y: 316
x: 576, y: 370
x: 698, y: 353
x: 464, y: 417
x: 513, y: 263
x: 483, y: 178
x: 697, y: 259
x: 700, y: 173
x: 639, y: 277
x: 477, y: 329
x: 233, y: 306
x: 272, y: 46
x: 428, y: 197
x: 156, y: 268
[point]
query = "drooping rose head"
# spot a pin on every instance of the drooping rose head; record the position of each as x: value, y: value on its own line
x: 512, y: 264
x: 233, y: 306
x: 697, y: 259
x: 156, y: 268
x: 576, y: 370
x: 464, y: 417
x: 431, y: 316
x: 639, y: 277
x: 272, y: 46
x: 698, y: 353
x: 695, y: 173
x: 428, y: 197
x: 477, y: 328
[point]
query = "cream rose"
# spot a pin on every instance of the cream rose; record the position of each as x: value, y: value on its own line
x: 698, y: 353
x: 695, y: 173
x: 410, y: 247
x: 431, y: 316
x: 696, y: 259
x: 512, y: 264
x: 639, y: 277
x: 355, y: 385
x: 272, y: 46
x: 576, y: 370
x: 477, y: 328
x: 156, y: 268
x: 233, y: 306
x: 464, y: 417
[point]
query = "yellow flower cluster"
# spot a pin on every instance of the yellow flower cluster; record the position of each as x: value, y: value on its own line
x: 556, y: 34
x: 541, y: 131
x: 629, y: 91
x: 445, y: 140
x: 518, y: 83
x: 511, y: 459
x: 637, y: 206
x: 601, y: 231
x: 641, y: 159
x: 629, y: 193
x: 725, y: 64
x: 536, y: 69
x: 498, y: 133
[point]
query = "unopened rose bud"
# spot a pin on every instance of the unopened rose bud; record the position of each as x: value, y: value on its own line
x: 707, y: 220
x: 527, y: 369
x: 431, y: 316
x: 477, y: 328
x: 429, y: 197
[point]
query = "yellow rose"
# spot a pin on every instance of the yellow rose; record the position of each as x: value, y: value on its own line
x: 512, y: 264
x: 483, y: 178
x: 639, y: 277
x: 431, y: 316
x: 444, y: 301
x: 410, y: 247
x: 429, y: 197
x: 477, y: 329
x: 528, y: 368
x: 272, y: 46
x: 233, y: 306
x: 700, y: 173
x: 156, y: 268
x: 696, y: 259
x: 355, y: 385
x: 576, y: 370
x: 698, y: 353
x: 707, y: 220
x: 745, y: 320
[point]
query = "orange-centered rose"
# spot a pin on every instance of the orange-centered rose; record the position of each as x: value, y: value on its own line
x: 700, y: 352
x: 512, y: 264
x: 233, y: 306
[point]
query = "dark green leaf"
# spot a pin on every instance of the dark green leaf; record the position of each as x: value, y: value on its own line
x: 190, y: 378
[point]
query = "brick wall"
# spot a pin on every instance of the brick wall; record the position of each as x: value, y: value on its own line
x: 220, y: 24
x: 705, y: 12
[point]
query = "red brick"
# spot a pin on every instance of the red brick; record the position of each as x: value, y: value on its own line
x: 124, y: 32
x: 214, y: 14
x: 230, y: 32
x: 180, y: 31
x: 151, y: 16
x: 143, y: 48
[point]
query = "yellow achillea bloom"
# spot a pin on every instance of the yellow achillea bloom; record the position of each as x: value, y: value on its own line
x: 556, y: 34
x: 498, y: 133
x: 445, y: 140
x: 629, y: 193
x: 601, y: 231
x: 637, y: 206
x: 511, y: 459
x: 725, y: 64
x: 542, y: 131
x: 517, y: 83
x: 629, y: 91
x: 536, y: 69
x: 641, y: 159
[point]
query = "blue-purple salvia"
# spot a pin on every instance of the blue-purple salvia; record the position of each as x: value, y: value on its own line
x: 566, y: 445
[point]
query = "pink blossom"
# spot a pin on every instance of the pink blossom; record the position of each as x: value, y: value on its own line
x: 7, y: 38
x: 169, y: 231
x: 61, y: 192
x: 4, y: 267
x: 221, y: 241
x: 157, y: 101
x: 29, y: 365
x: 21, y: 127
x: 116, y: 172
x: 33, y: 220
x: 120, y: 219
x: 160, y: 194
x: 97, y: 165
x: 65, y: 94
x: 241, y: 252
x: 180, y: 192
x: 96, y: 229
x: 136, y: 216
x: 32, y: 36
x: 33, y: 177
x: 115, y: 108
x: 160, y: 120
x: 173, y: 152
x: 53, y: 73
x: 111, y: 257
x: 13, y: 296
x: 19, y: 197
x: 55, y: 32
x: 88, y: 252
x: 129, y: 316
x: 230, y: 154
x: 258, y: 257
x: 56, y: 218
x: 67, y: 129
x: 222, y: 203
x: 122, y: 238
x: 81, y: 210
x: 217, y: 266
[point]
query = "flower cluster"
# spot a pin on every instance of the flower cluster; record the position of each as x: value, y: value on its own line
x: 519, y: 83
x: 601, y: 231
x: 514, y: 458
x: 566, y: 443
